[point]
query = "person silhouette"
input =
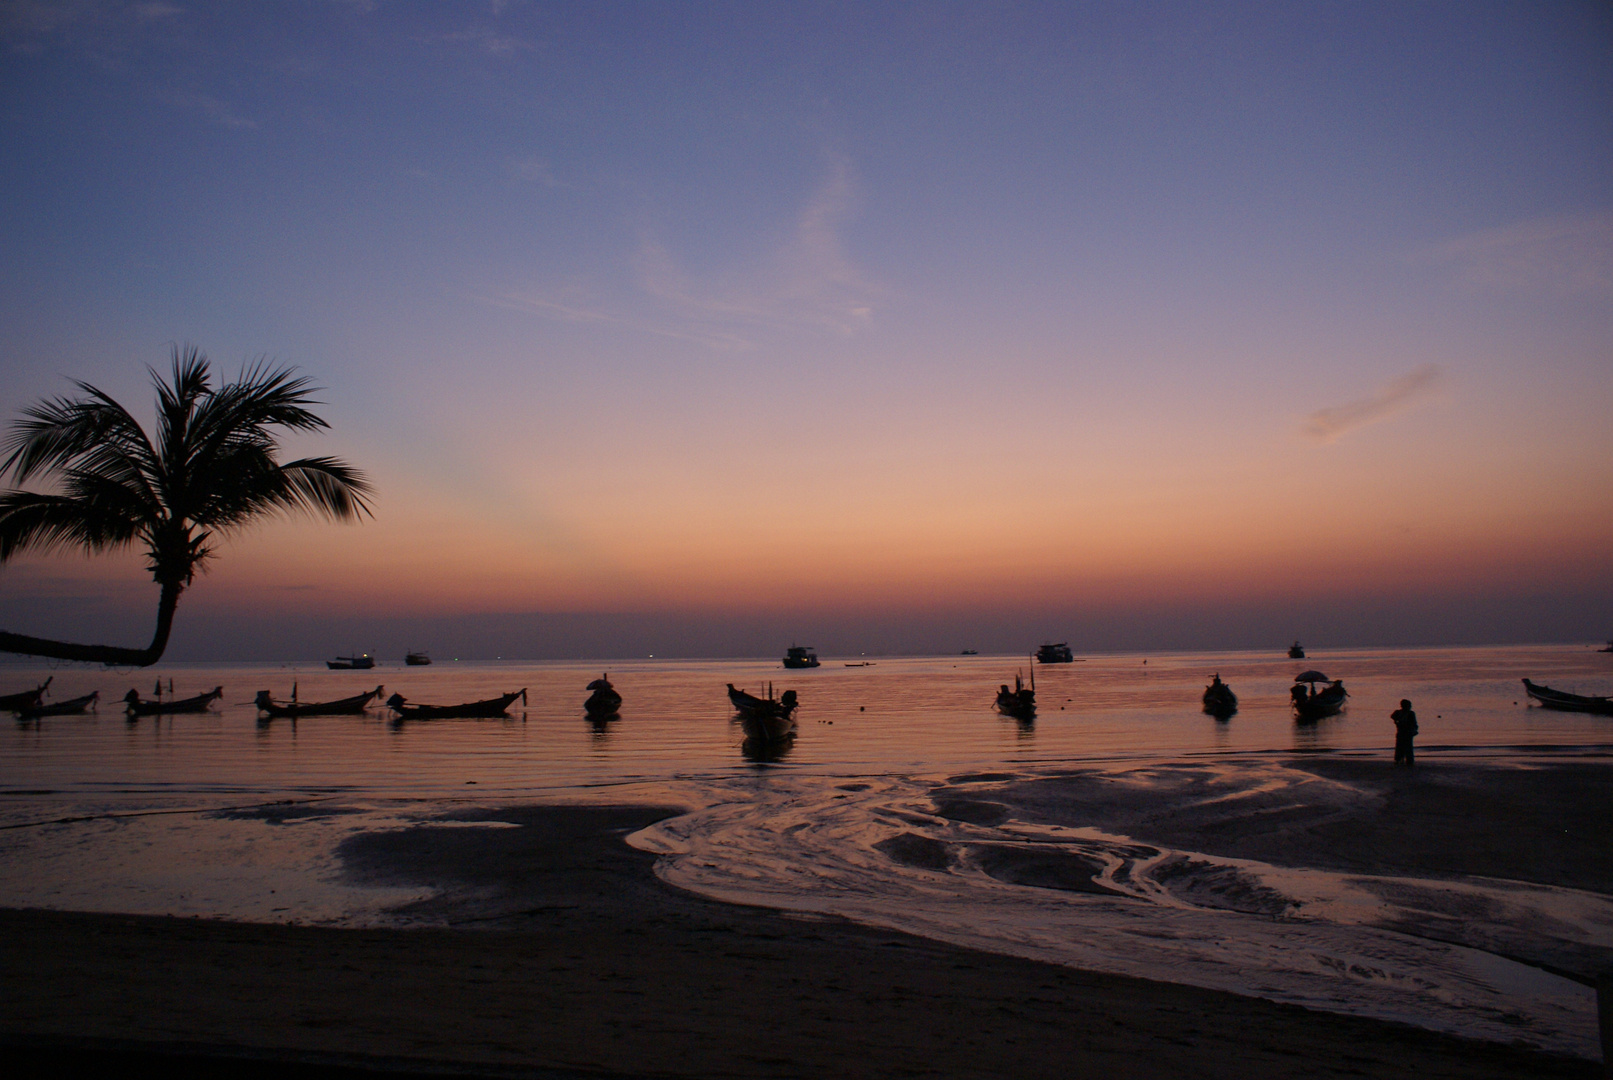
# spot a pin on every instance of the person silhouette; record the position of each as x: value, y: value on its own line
x: 1405, y: 730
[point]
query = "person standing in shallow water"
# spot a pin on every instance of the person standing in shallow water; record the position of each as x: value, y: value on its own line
x: 1405, y: 730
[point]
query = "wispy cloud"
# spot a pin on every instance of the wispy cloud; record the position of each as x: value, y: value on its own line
x: 1327, y: 425
x: 808, y: 281
x: 578, y: 311
x: 536, y: 170
x: 1572, y: 252
x: 490, y: 41
x: 219, y: 112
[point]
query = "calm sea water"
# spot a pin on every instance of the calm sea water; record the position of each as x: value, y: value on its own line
x: 898, y: 715
x: 167, y: 815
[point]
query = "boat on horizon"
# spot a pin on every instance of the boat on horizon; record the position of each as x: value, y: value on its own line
x: 490, y: 708
x: 1219, y: 700
x: 1563, y: 701
x: 800, y: 656
x: 348, y: 706
x: 1052, y: 653
x: 416, y: 659
x: 604, y: 701
x: 1296, y: 651
x: 351, y: 663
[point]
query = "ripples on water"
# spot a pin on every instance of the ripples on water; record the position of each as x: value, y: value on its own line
x: 844, y: 820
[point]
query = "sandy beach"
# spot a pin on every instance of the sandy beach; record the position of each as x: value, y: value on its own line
x: 557, y: 952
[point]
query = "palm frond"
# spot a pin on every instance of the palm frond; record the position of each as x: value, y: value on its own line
x: 55, y: 434
x: 30, y: 521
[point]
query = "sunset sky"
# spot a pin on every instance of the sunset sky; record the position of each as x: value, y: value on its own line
x: 692, y: 328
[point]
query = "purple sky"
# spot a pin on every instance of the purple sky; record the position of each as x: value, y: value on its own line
x: 691, y: 328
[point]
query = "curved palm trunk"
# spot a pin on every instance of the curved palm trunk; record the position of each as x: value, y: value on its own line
x: 110, y: 655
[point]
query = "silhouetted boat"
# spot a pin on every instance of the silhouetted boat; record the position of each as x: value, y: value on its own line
x: 26, y: 699
x: 1315, y: 705
x: 348, y: 706
x: 470, y: 710
x: 604, y: 701
x: 1608, y: 648
x: 416, y: 659
x: 1020, y: 702
x: 800, y: 656
x: 351, y: 663
x: 61, y: 708
x: 1566, y: 702
x: 970, y: 652
x: 1055, y: 654
x: 1296, y: 651
x: 765, y: 718
x: 1219, y: 700
x: 199, y: 703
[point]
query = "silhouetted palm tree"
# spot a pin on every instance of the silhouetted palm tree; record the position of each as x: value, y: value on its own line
x: 211, y: 471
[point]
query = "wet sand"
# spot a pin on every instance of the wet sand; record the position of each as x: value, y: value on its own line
x: 556, y: 952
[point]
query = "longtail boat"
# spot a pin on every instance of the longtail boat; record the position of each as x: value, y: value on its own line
x: 26, y: 699
x: 1020, y: 702
x: 199, y: 703
x: 766, y: 719
x: 1316, y: 705
x: 1219, y: 700
x: 470, y: 710
x: 604, y: 701
x: 348, y: 706
x: 1566, y: 702
x: 61, y: 708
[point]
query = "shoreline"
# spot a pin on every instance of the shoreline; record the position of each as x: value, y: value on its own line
x: 560, y: 953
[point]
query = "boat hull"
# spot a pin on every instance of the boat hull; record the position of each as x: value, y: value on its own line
x: 490, y: 709
x: 352, y: 706
x: 603, y: 703
x: 71, y: 707
x: 1566, y: 702
x: 196, y: 704
x: 1220, y: 704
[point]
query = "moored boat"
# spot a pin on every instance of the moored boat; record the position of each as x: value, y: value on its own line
x: 1020, y: 702
x: 1563, y: 701
x: 69, y: 707
x: 1315, y: 705
x: 1296, y: 651
x: 1219, y: 700
x: 1055, y: 653
x: 348, y: 706
x: 351, y: 663
x: 136, y: 707
x: 604, y: 701
x: 800, y: 656
x: 416, y: 659
x: 26, y: 699
x: 765, y: 719
x: 470, y: 710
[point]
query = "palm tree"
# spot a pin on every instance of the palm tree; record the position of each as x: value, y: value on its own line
x: 210, y: 471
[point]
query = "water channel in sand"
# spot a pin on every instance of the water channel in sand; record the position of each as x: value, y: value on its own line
x: 904, y: 802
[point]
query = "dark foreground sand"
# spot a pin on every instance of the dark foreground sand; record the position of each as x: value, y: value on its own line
x: 585, y: 965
